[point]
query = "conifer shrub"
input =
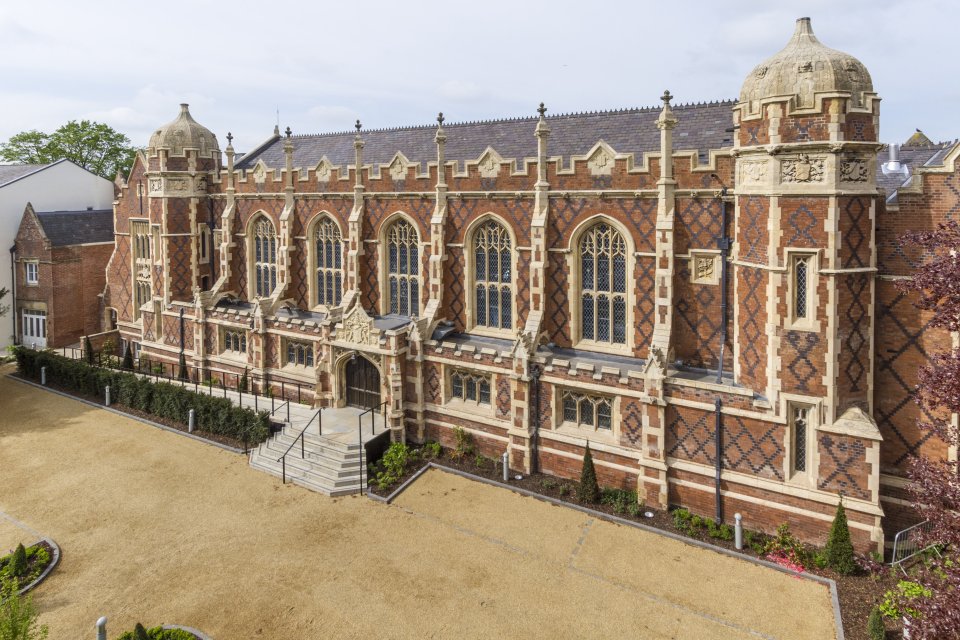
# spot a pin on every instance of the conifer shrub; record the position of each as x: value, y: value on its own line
x: 875, y: 628
x: 87, y: 350
x: 127, y: 364
x: 589, y: 490
x: 18, y: 562
x: 839, y: 547
x: 140, y: 633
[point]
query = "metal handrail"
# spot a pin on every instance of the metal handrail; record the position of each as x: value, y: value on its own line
x: 373, y: 430
x: 286, y: 402
x: 283, y: 459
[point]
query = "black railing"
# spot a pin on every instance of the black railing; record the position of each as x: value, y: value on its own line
x: 303, y: 454
x: 274, y: 411
x: 242, y: 383
x: 373, y: 429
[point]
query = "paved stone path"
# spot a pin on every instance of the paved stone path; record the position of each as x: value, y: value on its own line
x: 159, y: 528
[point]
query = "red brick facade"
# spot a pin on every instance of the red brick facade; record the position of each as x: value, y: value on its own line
x: 837, y: 366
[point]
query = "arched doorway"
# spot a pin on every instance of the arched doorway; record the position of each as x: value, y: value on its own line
x: 362, y: 381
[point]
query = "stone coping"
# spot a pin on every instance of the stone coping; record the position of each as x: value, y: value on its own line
x: 831, y: 584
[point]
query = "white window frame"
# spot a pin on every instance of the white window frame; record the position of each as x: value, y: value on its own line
x: 35, y: 280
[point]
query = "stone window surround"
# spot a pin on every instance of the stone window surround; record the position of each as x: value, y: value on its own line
x: 384, y: 259
x: 473, y: 406
x: 791, y: 259
x: 203, y: 252
x: 789, y: 402
x: 469, y: 293
x: 301, y: 348
x: 312, y: 267
x: 251, y: 239
x: 611, y: 435
x: 230, y: 338
x: 574, y: 286
x: 144, y: 250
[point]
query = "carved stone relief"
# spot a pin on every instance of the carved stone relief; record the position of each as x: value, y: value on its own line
x: 489, y: 166
x: 601, y: 162
x: 854, y: 170
x: 753, y: 171
x: 398, y: 169
x: 803, y: 168
x: 260, y: 173
x: 358, y: 328
x: 703, y: 268
x: 323, y: 171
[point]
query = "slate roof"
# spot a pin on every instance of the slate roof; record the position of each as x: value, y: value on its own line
x: 912, y: 157
x: 64, y: 228
x: 702, y: 127
x: 13, y: 172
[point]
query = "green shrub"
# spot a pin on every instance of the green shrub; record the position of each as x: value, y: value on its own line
x: 839, y: 548
x: 157, y: 633
x: 393, y: 464
x: 565, y: 490
x: 620, y: 499
x: 479, y: 461
x: 139, y: 633
x: 432, y: 450
x: 127, y: 364
x: 634, y: 509
x: 87, y: 350
x: 169, y: 401
x: 875, y: 628
x: 18, y: 562
x: 896, y: 602
x: 681, y: 519
x: 788, y: 545
x: 464, y: 443
x: 820, y: 560
x: 18, y: 617
x: 589, y: 490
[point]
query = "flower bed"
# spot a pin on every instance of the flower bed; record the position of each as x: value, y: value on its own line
x: 25, y: 564
x: 168, y: 632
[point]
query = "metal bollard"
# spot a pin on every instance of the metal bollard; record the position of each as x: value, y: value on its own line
x: 738, y: 532
x: 190, y: 420
x: 106, y: 391
x: 43, y: 376
x: 505, y: 462
x: 102, y: 628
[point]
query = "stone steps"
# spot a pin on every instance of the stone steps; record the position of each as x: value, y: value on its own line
x: 328, y: 466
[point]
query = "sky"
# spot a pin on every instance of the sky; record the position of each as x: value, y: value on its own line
x: 323, y: 64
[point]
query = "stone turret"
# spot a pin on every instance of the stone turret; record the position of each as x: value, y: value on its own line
x: 805, y: 256
x: 183, y: 161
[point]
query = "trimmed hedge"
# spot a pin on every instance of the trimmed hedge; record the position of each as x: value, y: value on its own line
x: 161, y: 399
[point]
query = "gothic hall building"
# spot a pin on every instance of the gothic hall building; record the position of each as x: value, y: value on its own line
x: 705, y: 293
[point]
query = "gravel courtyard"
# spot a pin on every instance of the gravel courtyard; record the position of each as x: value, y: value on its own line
x: 158, y: 528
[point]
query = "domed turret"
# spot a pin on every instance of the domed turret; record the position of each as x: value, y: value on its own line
x: 185, y: 133
x: 804, y: 68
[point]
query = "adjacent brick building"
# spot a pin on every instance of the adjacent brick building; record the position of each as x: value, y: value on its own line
x: 60, y: 260
x: 703, y: 292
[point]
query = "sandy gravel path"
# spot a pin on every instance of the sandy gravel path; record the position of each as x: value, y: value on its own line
x: 159, y: 528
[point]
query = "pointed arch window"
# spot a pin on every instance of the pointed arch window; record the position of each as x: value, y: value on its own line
x: 403, y: 269
x: 603, y: 292
x: 328, y: 244
x: 493, y: 276
x: 264, y: 258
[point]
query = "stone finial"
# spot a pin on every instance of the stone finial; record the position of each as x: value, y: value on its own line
x: 542, y: 110
x: 440, y: 119
x: 666, y: 120
x: 229, y: 139
x: 357, y: 127
x: 288, y: 132
x: 666, y: 97
x: 276, y: 130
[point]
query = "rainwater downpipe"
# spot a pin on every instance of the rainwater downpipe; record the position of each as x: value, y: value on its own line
x: 534, y: 441
x: 13, y: 293
x: 718, y: 438
x: 724, y: 244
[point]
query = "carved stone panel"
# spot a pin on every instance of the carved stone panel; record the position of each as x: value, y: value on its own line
x: 323, y: 171
x: 489, y: 165
x: 704, y: 268
x: 802, y: 169
x: 601, y: 162
x: 357, y: 327
x: 854, y: 170
x: 753, y: 171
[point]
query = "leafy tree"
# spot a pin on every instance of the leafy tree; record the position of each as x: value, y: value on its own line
x: 935, y: 485
x: 18, y: 617
x: 839, y: 547
x: 589, y: 490
x: 94, y: 146
x: 4, y: 308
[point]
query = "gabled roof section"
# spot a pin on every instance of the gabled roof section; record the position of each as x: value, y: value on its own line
x: 13, y: 172
x: 913, y: 156
x: 702, y: 127
x: 65, y: 228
